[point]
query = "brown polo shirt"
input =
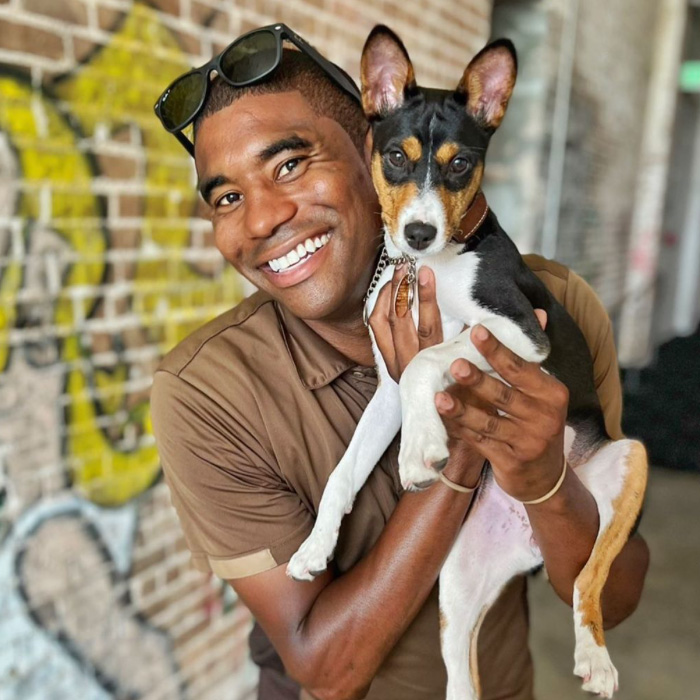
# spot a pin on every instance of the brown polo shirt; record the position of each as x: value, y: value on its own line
x: 251, y: 414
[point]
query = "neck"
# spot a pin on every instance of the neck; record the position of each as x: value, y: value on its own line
x: 349, y: 336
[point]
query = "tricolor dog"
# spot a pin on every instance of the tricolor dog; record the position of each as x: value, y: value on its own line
x: 427, y: 165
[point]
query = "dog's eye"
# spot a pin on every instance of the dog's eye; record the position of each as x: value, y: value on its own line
x: 459, y: 166
x: 397, y: 159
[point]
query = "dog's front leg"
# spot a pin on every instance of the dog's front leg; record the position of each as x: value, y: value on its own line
x: 424, y: 450
x: 376, y: 429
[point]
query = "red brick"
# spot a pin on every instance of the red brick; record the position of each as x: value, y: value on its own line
x: 109, y: 19
x: 171, y: 7
x: 117, y: 167
x: 21, y: 37
x: 204, y: 15
x: 71, y: 11
x: 189, y: 42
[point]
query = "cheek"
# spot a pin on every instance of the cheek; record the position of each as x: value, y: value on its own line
x: 228, y: 243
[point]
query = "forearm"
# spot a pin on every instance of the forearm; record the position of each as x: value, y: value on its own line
x: 565, y: 528
x: 359, y: 617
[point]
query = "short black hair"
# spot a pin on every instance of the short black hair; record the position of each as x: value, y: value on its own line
x: 296, y: 72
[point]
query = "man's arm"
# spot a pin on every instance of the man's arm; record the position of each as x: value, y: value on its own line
x: 524, y: 444
x: 333, y: 634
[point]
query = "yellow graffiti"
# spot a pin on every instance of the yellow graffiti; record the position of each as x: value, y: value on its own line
x: 48, y: 155
x: 113, y: 91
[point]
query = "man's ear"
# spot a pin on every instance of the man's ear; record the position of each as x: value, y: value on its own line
x: 488, y: 81
x: 386, y: 72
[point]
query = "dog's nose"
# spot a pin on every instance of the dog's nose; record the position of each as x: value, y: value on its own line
x: 420, y: 235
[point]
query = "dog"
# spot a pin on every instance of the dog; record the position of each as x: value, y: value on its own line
x: 427, y: 164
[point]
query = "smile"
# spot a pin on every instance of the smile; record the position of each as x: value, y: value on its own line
x: 299, y: 255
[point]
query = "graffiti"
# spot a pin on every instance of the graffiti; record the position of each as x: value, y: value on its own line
x: 98, y: 268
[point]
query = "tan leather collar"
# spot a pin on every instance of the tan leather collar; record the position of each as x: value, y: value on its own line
x: 472, y: 220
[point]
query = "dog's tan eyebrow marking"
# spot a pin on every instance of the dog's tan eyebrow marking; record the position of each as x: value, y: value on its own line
x: 392, y: 198
x: 446, y: 152
x: 412, y: 148
x: 455, y: 204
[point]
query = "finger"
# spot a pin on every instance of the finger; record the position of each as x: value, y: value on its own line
x: 527, y: 376
x: 492, y: 391
x: 541, y: 317
x: 496, y: 451
x: 403, y: 330
x: 459, y: 416
x: 429, y: 320
x: 381, y: 330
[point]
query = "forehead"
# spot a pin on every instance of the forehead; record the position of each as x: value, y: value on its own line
x: 239, y: 131
x: 432, y: 118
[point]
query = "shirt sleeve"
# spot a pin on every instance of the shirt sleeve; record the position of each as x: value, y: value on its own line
x: 238, y: 515
x: 589, y: 313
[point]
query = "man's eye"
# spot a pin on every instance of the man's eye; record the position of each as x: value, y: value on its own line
x: 289, y: 166
x: 228, y: 199
x: 397, y: 159
x: 459, y: 166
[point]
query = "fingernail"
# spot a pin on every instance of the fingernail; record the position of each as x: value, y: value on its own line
x: 423, y: 276
x: 444, y: 401
x: 480, y: 333
x: 462, y: 370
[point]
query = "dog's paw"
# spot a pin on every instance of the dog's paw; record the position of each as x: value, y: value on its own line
x: 423, y: 455
x: 311, y: 559
x: 593, y: 664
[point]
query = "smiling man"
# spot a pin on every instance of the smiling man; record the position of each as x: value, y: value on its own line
x: 254, y: 410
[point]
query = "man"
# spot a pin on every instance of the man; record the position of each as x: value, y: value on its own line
x: 253, y: 411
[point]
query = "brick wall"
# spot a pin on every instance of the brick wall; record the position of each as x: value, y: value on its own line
x: 104, y: 265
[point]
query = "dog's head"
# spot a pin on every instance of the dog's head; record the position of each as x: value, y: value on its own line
x: 428, y: 145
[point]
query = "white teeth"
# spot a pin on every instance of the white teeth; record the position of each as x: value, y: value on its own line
x: 307, y: 248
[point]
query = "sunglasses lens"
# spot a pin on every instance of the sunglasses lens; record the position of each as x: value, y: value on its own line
x: 250, y: 58
x: 182, y: 101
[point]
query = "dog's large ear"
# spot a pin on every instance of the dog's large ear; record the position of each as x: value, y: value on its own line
x: 386, y: 72
x: 488, y: 82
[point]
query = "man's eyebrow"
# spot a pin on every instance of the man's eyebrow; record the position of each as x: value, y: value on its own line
x: 288, y: 143
x: 209, y: 185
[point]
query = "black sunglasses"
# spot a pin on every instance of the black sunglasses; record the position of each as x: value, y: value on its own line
x: 248, y: 59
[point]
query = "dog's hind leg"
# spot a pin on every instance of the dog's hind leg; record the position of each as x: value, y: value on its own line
x: 494, y: 545
x: 616, y: 476
x: 377, y: 427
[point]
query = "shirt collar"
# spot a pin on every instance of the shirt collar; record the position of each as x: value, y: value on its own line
x: 316, y: 362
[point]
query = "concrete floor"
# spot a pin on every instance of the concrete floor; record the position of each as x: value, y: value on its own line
x: 657, y: 650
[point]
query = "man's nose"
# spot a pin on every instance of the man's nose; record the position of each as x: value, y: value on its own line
x: 267, y: 209
x: 419, y: 234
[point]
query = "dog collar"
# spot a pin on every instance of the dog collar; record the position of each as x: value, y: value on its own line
x: 472, y: 220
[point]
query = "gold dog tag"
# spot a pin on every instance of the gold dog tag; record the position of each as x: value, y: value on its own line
x: 405, y: 294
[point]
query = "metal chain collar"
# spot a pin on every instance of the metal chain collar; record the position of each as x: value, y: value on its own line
x: 410, y: 278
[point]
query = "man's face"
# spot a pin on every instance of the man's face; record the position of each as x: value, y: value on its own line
x: 282, y: 181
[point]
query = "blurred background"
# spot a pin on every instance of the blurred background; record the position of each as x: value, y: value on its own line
x: 105, y: 263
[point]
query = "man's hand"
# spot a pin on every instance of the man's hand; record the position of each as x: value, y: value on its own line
x: 396, y: 335
x: 525, y: 442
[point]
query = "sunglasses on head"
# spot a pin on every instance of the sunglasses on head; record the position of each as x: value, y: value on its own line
x: 247, y: 60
